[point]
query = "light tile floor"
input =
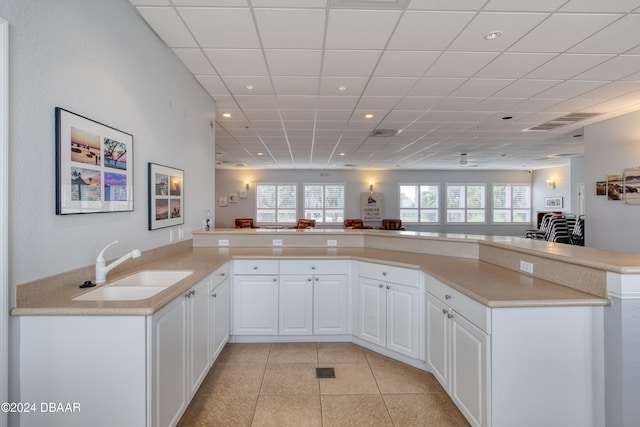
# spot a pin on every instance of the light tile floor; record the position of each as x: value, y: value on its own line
x: 276, y: 385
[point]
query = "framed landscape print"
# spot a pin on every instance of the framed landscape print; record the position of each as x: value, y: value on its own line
x: 631, y: 186
x: 94, y: 166
x: 166, y: 196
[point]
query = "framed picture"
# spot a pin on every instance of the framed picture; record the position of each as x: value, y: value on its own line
x: 615, y: 188
x: 632, y: 186
x: 552, y: 202
x: 166, y: 196
x: 601, y: 188
x: 94, y: 166
x: 242, y: 194
x: 233, y: 198
x: 222, y: 201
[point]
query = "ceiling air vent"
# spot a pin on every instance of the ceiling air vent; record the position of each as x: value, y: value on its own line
x: 561, y: 121
x: 384, y: 133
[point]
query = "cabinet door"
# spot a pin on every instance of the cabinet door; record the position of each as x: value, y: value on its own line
x: 255, y: 305
x: 296, y: 305
x: 220, y: 318
x: 402, y: 319
x: 469, y: 366
x: 438, y: 340
x: 330, y: 304
x: 373, y: 307
x: 199, y: 342
x: 169, y: 355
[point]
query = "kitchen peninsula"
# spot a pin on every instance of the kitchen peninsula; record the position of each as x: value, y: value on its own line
x: 521, y: 331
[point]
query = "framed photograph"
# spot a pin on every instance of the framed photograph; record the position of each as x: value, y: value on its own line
x: 94, y: 166
x: 222, y: 201
x: 553, y: 202
x: 233, y: 198
x: 632, y: 186
x: 614, y: 187
x: 242, y: 194
x: 166, y: 196
x: 601, y: 188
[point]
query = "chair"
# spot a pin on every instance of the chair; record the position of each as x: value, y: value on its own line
x: 356, y: 224
x: 245, y: 223
x: 304, y: 223
x: 392, y: 224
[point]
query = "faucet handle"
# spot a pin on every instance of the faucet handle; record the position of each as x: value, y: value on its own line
x: 101, y: 254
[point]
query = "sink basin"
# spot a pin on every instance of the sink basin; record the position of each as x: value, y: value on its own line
x: 120, y: 293
x: 152, y: 278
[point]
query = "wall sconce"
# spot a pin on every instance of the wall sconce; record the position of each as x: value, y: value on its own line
x: 371, y: 186
x: 246, y: 184
x: 551, y: 183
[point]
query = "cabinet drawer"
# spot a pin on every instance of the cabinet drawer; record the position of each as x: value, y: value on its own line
x: 389, y: 273
x: 313, y: 266
x: 219, y: 275
x: 255, y: 266
x: 472, y: 310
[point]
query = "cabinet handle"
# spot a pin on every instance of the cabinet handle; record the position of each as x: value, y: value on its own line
x: 384, y: 273
x: 275, y: 279
x: 193, y: 292
x: 308, y: 279
x: 223, y: 274
x: 187, y: 295
x: 255, y: 267
x: 447, y: 296
x: 215, y: 295
x: 313, y: 267
x: 445, y: 311
x: 380, y: 285
x: 449, y: 316
x: 317, y: 279
x: 388, y: 287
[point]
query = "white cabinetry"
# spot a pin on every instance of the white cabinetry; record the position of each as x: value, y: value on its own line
x: 255, y: 297
x: 180, y: 355
x: 219, y: 311
x: 388, y: 307
x: 313, y: 297
x: 458, y: 350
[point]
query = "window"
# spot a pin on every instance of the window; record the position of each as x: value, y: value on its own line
x: 324, y: 202
x: 276, y: 203
x: 511, y: 203
x: 466, y: 203
x: 419, y: 203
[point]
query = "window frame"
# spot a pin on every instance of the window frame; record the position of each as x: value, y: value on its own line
x: 324, y: 208
x: 419, y: 208
x: 512, y: 209
x: 276, y: 208
x: 466, y: 209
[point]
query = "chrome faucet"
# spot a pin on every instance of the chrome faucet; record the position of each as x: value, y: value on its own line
x: 101, y: 267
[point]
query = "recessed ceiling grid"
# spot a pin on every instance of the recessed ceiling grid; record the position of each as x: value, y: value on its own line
x: 420, y: 66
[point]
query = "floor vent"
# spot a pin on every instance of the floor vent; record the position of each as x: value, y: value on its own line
x: 325, y: 373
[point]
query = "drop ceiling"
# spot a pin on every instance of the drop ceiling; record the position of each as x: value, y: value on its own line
x: 297, y: 78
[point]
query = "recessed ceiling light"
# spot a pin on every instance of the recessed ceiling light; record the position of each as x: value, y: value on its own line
x: 342, y: 88
x: 260, y: 153
x: 343, y: 154
x: 368, y: 116
x: 249, y: 87
x: 226, y: 115
x: 493, y: 35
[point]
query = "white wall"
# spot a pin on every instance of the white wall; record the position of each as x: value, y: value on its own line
x: 98, y: 59
x: 357, y: 181
x: 610, y: 147
x: 562, y: 177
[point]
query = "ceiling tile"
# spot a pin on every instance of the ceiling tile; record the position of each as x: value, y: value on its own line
x: 212, y: 3
x: 561, y: 31
x: 613, y: 69
x: 600, y: 6
x: 420, y: 30
x: 565, y: 66
x: 405, y: 64
x: 237, y: 85
x: 213, y: 85
x: 296, y: 85
x: 435, y: 87
x: 514, y: 65
x: 150, y: 2
x: 389, y: 86
x: 237, y: 62
x: 360, y: 29
x: 293, y: 62
x: 446, y: 4
x: 355, y: 85
x: 258, y: 102
x: 612, y: 90
x: 289, y: 3
x: 221, y: 27
x: 378, y: 102
x: 337, y: 102
x: 526, y: 88
x: 618, y: 37
x: 537, y: 6
x: 418, y: 102
x: 168, y: 26
x: 291, y: 28
x: 511, y: 25
x: 460, y: 64
x: 194, y: 60
x: 303, y: 102
x: 571, y: 89
x: 480, y: 87
x: 349, y: 63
